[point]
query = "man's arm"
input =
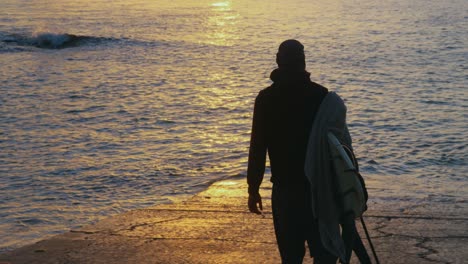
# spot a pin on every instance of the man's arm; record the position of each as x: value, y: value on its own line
x: 257, y: 156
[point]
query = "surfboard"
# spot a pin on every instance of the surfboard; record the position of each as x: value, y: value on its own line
x: 350, y: 190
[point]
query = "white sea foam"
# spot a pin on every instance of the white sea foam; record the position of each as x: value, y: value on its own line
x: 52, y: 40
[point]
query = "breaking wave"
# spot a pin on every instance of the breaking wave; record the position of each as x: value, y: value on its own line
x: 50, y: 40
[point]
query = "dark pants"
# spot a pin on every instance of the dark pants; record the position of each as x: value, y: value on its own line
x: 294, y: 224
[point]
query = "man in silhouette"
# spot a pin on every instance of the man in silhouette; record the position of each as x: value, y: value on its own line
x: 282, y: 120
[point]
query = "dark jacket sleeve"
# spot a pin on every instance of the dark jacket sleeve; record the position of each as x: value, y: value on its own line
x: 258, y: 147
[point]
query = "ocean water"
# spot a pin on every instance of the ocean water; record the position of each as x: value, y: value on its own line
x: 107, y: 106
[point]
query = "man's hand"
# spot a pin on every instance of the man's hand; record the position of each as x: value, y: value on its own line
x: 255, y: 199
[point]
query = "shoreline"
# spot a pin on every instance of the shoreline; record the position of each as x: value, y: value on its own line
x: 215, y: 226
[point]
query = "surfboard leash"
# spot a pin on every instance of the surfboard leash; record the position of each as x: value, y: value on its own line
x: 370, y: 242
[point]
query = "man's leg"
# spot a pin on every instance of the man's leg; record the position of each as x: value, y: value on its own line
x: 288, y: 218
x: 316, y: 248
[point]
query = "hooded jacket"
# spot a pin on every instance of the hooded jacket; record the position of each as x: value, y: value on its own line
x: 282, y: 121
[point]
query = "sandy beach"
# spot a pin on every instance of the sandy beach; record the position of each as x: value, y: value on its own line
x: 215, y: 227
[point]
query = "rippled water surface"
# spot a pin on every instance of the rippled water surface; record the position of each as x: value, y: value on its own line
x: 111, y: 105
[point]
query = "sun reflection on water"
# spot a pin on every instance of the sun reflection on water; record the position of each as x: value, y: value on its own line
x: 222, y: 4
x: 222, y: 24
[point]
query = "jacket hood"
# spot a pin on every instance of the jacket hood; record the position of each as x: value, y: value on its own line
x: 289, y: 76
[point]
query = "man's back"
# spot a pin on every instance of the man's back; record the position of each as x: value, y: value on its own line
x: 284, y: 114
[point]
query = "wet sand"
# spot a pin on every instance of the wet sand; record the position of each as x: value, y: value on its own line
x: 216, y: 227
